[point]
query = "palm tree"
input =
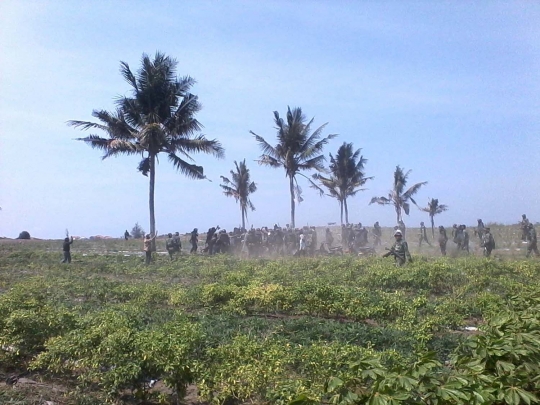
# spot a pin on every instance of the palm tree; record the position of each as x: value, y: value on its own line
x: 159, y: 117
x: 297, y: 149
x: 346, y: 176
x: 240, y: 188
x: 433, y: 209
x: 398, y: 197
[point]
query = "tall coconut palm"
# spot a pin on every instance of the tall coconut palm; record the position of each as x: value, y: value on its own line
x: 297, y: 150
x: 434, y: 208
x: 399, y: 197
x: 157, y: 118
x: 240, y: 187
x: 346, y: 178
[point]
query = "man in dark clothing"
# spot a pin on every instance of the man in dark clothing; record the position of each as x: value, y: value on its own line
x: 377, y: 232
x: 531, y: 238
x: 488, y: 243
x: 169, y: 245
x: 443, y: 240
x: 126, y: 235
x: 194, y: 239
x: 480, y: 229
x: 524, y: 227
x: 66, y: 247
x: 423, y: 235
x: 211, y: 246
x: 177, y: 243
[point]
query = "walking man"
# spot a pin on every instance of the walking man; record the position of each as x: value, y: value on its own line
x: 488, y: 242
x: 532, y: 245
x: 400, y: 250
x: 423, y: 235
x: 443, y: 240
x: 194, y: 239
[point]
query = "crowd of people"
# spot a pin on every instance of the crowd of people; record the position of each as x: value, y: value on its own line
x: 354, y: 239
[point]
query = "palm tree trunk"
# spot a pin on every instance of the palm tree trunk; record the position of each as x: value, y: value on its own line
x: 341, y: 209
x: 291, y: 189
x: 243, y: 217
x: 398, y: 214
x: 346, y: 211
x: 432, y: 227
x: 151, y: 199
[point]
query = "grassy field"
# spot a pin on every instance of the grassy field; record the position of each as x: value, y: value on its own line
x: 224, y: 330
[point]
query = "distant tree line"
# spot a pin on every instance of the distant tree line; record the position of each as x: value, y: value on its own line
x: 158, y: 118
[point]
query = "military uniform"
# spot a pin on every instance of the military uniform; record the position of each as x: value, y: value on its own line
x: 488, y: 242
x: 531, y: 238
x: 524, y: 227
x: 422, y: 237
x: 169, y: 245
x: 377, y: 232
x: 194, y: 241
x: 400, y: 250
x: 443, y: 240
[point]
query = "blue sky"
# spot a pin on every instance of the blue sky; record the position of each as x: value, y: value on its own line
x: 448, y: 89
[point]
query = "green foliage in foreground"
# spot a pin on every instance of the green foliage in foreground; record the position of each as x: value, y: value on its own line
x: 335, y: 330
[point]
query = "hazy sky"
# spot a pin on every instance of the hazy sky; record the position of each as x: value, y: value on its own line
x: 449, y: 89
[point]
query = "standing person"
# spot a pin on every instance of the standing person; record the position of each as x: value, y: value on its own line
x: 194, y: 239
x: 423, y: 235
x: 329, y: 238
x: 177, y: 242
x: 400, y: 250
x: 377, y: 232
x: 465, y: 238
x: 443, y: 240
x: 531, y: 238
x: 169, y: 245
x: 488, y: 242
x: 480, y: 229
x: 147, y: 247
x: 524, y: 227
x: 302, y: 246
x: 126, y: 235
x: 66, y: 248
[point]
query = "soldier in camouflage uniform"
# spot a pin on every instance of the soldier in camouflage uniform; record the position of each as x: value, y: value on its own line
x: 488, y: 242
x: 531, y: 238
x: 400, y: 250
x: 443, y: 240
x: 422, y: 237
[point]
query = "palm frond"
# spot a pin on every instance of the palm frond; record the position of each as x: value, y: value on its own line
x: 197, y: 144
x: 381, y: 201
x: 266, y: 148
x: 128, y: 75
x: 413, y: 190
x: 188, y: 169
x: 266, y: 160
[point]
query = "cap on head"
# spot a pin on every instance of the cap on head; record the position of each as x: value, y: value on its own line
x: 169, y: 235
x: 398, y: 232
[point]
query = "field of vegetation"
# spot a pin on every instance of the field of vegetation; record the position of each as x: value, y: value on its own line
x: 222, y: 330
